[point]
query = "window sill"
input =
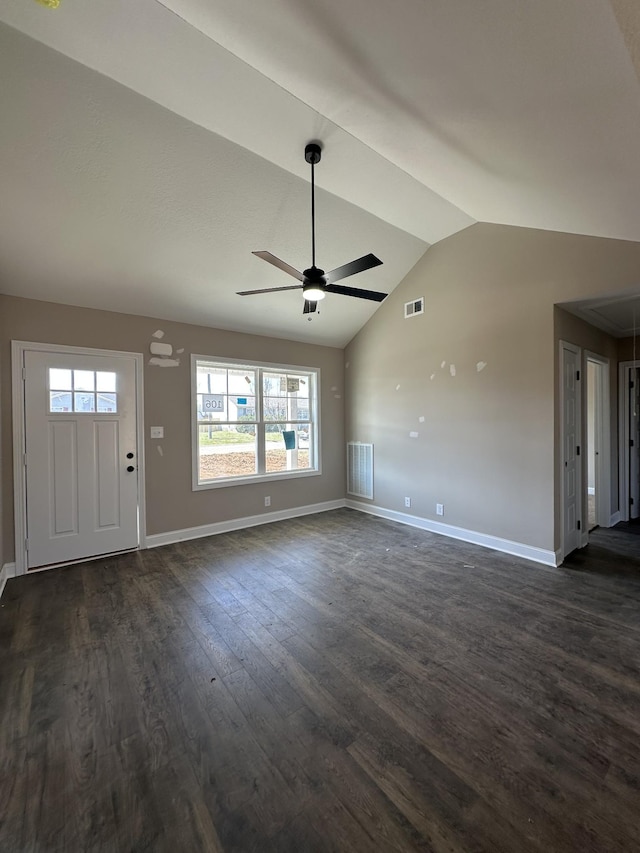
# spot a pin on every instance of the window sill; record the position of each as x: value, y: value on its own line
x: 255, y: 479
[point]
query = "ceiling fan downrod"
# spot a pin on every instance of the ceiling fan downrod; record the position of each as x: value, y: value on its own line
x: 313, y: 154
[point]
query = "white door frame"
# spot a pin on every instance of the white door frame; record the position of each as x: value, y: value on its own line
x: 18, y: 348
x: 602, y: 438
x: 624, y: 369
x: 579, y: 497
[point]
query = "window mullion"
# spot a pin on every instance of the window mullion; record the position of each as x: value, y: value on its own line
x: 260, y: 426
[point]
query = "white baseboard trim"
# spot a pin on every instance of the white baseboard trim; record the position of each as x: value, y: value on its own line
x: 171, y: 536
x: 528, y: 552
x: 8, y: 571
x: 615, y: 519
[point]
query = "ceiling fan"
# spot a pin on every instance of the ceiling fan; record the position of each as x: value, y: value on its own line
x: 316, y: 283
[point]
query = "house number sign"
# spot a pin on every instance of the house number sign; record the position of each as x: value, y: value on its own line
x: 213, y: 402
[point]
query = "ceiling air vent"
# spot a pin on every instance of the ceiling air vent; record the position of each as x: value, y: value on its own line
x: 414, y: 307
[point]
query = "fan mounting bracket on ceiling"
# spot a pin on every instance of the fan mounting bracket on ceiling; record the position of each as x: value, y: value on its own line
x: 312, y: 153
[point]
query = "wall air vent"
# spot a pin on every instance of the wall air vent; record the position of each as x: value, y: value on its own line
x: 414, y: 307
x: 360, y: 469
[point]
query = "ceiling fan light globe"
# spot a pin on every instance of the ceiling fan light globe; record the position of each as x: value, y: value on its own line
x: 313, y: 293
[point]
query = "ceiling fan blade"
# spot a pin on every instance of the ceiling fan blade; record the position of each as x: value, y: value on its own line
x: 373, y: 295
x: 268, y: 290
x: 271, y: 259
x: 366, y: 262
x: 309, y: 307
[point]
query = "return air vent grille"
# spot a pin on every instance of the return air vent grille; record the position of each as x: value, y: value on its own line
x: 360, y: 469
x: 414, y: 307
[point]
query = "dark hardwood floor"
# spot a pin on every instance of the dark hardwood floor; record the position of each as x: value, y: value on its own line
x: 331, y: 683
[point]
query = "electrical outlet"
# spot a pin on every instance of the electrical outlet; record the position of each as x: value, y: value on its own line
x: 267, y: 501
x: 439, y: 509
x: 407, y: 502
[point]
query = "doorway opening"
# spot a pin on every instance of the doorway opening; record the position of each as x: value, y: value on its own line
x: 598, y: 442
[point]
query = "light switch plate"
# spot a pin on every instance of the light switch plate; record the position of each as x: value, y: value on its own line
x: 157, y: 432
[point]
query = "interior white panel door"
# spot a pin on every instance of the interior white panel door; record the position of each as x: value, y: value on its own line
x: 570, y: 442
x: 80, y: 424
x: 634, y: 448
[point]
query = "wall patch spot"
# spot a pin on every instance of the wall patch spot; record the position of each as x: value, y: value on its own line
x: 413, y: 435
x: 432, y: 377
x: 160, y: 450
x: 443, y: 364
x: 180, y: 351
x: 159, y: 334
x: 397, y: 387
x: 334, y: 387
x: 481, y: 366
x: 160, y: 361
x: 452, y: 369
x: 337, y: 396
x: 160, y: 349
x: 421, y: 419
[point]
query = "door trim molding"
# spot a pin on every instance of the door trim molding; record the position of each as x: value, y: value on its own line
x: 623, y: 426
x: 18, y: 348
x: 565, y: 345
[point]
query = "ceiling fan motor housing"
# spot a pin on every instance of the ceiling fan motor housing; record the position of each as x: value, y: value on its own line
x: 314, y: 276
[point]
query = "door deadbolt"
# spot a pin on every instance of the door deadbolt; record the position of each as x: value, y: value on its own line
x: 130, y: 468
x: 130, y: 455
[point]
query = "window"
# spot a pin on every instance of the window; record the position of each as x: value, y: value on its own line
x: 82, y: 391
x: 253, y: 421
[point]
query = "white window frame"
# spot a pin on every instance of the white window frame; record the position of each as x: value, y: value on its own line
x: 314, y: 418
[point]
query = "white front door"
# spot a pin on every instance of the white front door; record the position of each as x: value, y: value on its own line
x: 570, y: 394
x: 81, y: 456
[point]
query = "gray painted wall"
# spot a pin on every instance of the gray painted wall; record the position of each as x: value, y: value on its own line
x: 171, y: 503
x: 487, y: 446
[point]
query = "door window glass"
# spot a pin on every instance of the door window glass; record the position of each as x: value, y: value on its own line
x: 82, y: 391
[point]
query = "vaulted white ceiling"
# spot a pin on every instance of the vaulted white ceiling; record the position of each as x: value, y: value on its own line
x: 147, y: 148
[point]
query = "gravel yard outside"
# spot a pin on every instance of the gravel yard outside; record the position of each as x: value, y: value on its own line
x: 237, y: 464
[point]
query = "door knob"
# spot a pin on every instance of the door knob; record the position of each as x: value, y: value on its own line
x: 130, y: 468
x: 129, y: 455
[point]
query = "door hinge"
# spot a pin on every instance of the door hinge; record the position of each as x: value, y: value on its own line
x: 630, y: 501
x: 24, y: 372
x: 578, y: 523
x: 631, y: 442
x: 578, y: 375
x: 578, y: 450
x: 632, y: 384
x: 24, y: 459
x: 26, y: 544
